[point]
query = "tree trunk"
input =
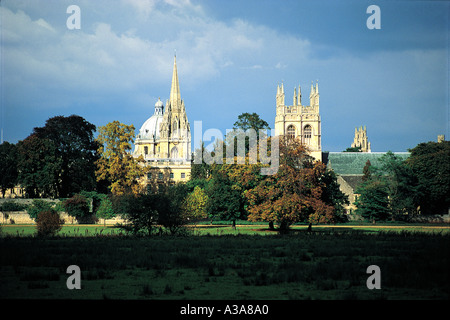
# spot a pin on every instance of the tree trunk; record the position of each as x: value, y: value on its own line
x: 271, y: 227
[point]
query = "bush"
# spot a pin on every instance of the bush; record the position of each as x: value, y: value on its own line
x: 37, y: 206
x: 12, y: 206
x: 77, y: 206
x: 48, y: 223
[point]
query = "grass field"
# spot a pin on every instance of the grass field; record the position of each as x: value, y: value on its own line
x: 217, y: 262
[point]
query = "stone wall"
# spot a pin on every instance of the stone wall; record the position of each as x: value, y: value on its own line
x: 22, y: 217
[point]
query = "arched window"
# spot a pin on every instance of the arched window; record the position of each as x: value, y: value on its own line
x: 307, y: 134
x: 290, y: 132
x: 174, y: 153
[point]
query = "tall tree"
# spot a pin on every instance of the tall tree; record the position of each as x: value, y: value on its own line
x: 294, y: 193
x: 373, y: 200
x: 430, y: 162
x: 246, y: 121
x: 250, y: 121
x: 116, y: 164
x: 39, y: 167
x: 8, y: 166
x: 401, y: 184
x: 224, y: 201
x: 76, y: 151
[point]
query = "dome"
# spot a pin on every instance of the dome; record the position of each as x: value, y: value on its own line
x: 150, y: 128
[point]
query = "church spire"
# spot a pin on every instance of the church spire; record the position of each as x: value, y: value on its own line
x: 175, y: 97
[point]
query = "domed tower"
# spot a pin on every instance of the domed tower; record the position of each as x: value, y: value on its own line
x: 147, y: 140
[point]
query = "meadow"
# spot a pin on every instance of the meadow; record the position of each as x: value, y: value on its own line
x: 218, y: 262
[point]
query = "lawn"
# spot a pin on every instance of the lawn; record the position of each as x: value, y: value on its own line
x: 221, y: 263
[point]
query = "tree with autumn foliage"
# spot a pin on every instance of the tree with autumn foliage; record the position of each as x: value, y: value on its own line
x: 295, y: 193
x: 116, y: 164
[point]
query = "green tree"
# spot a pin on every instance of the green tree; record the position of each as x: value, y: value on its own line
x: 430, y: 162
x: 195, y: 205
x: 241, y: 129
x: 200, y: 170
x: 367, y: 174
x: 75, y: 152
x: 37, y: 206
x: 372, y: 202
x: 38, y: 167
x: 105, y: 209
x: 250, y: 121
x: 401, y: 184
x: 224, y: 200
x: 116, y: 163
x: 8, y: 166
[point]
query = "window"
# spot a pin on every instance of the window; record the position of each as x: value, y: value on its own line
x: 307, y: 133
x: 145, y: 150
x: 290, y: 132
x: 160, y: 176
x: 183, y: 175
x: 149, y: 175
x: 171, y: 175
x: 174, y: 153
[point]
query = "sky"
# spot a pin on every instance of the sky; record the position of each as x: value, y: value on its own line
x: 231, y: 55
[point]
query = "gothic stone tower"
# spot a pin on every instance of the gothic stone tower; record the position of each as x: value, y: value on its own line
x: 361, y: 140
x: 164, y: 140
x: 299, y: 120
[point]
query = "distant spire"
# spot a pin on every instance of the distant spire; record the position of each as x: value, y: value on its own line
x: 175, y: 97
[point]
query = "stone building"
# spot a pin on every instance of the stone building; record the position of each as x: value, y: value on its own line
x: 298, y: 120
x: 360, y: 140
x: 349, y: 166
x: 164, y: 140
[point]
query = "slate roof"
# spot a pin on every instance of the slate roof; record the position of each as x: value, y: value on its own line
x: 352, y: 163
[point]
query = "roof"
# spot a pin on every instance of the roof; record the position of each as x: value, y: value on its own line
x: 352, y: 163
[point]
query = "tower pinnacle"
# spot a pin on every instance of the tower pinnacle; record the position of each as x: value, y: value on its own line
x: 175, y: 97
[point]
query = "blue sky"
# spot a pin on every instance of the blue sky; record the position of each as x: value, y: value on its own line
x: 230, y: 56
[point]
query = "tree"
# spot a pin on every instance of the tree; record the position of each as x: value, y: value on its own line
x: 195, y: 204
x: 401, y: 184
x: 430, y: 162
x: 367, y: 171
x: 38, y: 206
x: 75, y: 152
x: 352, y: 149
x: 373, y: 201
x: 246, y: 121
x: 140, y: 211
x: 48, y: 223
x: 105, y: 209
x: 38, y: 167
x: 8, y: 166
x: 225, y: 202
x: 333, y: 196
x: 250, y: 121
x: 294, y: 193
x: 77, y: 206
x: 200, y: 170
x: 116, y: 164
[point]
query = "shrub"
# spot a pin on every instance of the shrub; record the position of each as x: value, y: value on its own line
x: 77, y: 206
x: 9, y: 205
x: 37, y: 206
x: 48, y: 223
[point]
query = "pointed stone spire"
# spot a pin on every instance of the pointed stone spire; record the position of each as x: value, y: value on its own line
x: 295, y: 97
x: 175, y: 97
